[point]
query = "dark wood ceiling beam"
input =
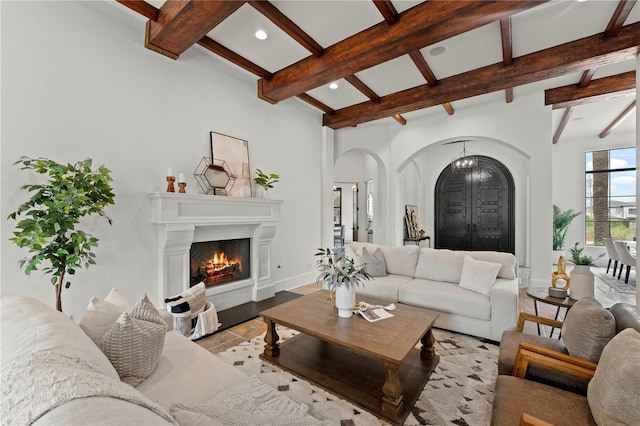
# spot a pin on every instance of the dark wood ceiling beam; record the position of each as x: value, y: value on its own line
x: 618, y: 120
x: 589, y: 52
x: 233, y: 57
x: 562, y: 125
x: 181, y: 24
x: 602, y: 89
x: 507, y: 52
x: 428, y: 74
x: 400, y: 119
x: 619, y: 16
x: 363, y: 88
x: 273, y: 14
x: 141, y: 7
x: 316, y: 103
x: 586, y: 78
x: 388, y: 12
x: 420, y: 26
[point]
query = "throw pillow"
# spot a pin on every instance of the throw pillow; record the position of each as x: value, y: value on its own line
x: 614, y: 391
x: 188, y: 303
x: 100, y: 315
x: 374, y: 263
x: 587, y: 328
x: 134, y: 342
x: 478, y: 275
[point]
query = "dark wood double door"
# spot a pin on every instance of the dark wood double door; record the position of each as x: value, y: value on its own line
x: 475, y: 209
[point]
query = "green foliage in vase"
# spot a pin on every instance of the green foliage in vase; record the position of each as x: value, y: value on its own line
x: 561, y: 222
x: 266, y: 180
x: 577, y: 258
x: 338, y: 269
x: 48, y: 221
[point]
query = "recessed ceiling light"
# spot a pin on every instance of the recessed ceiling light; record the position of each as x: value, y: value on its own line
x: 437, y: 51
x: 261, y: 35
x: 333, y: 86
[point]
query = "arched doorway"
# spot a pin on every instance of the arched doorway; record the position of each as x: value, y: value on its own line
x: 475, y: 210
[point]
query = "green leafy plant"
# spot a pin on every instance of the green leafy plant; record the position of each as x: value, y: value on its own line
x: 561, y: 222
x: 50, y: 217
x: 578, y: 258
x: 266, y: 180
x: 338, y: 269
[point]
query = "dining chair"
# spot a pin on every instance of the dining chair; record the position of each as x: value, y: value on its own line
x: 613, y: 255
x: 625, y: 259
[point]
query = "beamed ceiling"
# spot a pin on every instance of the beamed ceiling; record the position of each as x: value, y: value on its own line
x: 403, y: 59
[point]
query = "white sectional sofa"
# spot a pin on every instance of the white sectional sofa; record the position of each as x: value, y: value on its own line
x: 431, y: 279
x: 54, y: 374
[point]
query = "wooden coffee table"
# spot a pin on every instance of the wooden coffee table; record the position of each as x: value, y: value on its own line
x: 375, y: 365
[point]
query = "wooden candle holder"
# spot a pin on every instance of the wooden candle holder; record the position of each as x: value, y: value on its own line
x: 182, y: 186
x: 170, y: 181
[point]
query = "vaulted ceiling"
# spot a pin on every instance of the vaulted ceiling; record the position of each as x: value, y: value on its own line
x: 402, y: 59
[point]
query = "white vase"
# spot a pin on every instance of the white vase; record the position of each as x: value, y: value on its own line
x: 581, y: 284
x: 345, y: 300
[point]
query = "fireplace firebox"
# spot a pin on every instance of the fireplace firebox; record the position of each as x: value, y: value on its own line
x: 220, y: 262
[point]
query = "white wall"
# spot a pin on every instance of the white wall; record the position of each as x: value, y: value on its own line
x: 517, y: 134
x: 77, y: 82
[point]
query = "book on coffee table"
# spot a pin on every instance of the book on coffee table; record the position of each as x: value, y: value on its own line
x: 373, y: 315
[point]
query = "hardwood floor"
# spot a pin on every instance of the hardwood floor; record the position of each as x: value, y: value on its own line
x: 219, y: 342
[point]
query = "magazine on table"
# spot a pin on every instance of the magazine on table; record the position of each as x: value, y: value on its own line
x: 373, y: 315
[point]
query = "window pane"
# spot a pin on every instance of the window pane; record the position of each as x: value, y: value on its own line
x: 588, y: 162
x: 622, y: 184
x: 623, y: 158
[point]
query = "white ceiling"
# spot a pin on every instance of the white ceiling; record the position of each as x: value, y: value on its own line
x: 328, y: 22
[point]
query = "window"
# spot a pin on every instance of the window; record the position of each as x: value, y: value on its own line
x: 337, y: 206
x: 610, y: 195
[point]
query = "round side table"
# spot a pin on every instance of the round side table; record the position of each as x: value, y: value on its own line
x: 542, y: 295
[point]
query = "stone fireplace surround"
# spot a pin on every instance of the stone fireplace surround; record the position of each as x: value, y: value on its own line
x: 182, y: 219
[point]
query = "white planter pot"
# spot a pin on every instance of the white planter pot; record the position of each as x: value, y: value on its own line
x: 345, y: 300
x: 261, y: 192
x: 581, y: 282
x: 555, y: 255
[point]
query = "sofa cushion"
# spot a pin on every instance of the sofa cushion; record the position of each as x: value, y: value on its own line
x: 614, y: 391
x: 508, y: 262
x: 134, y: 342
x: 514, y: 396
x: 100, y: 314
x: 445, y: 297
x: 440, y: 265
x: 399, y: 260
x: 626, y: 315
x: 478, y: 275
x: 385, y: 288
x: 374, y: 262
x: 587, y: 328
x: 182, y: 364
x: 32, y: 326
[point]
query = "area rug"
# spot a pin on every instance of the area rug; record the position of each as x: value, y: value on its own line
x: 459, y: 392
x: 617, y: 284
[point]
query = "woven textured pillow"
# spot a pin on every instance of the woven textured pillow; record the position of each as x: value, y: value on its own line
x: 134, y: 342
x: 614, y: 391
x: 374, y: 262
x: 587, y: 328
x: 188, y: 303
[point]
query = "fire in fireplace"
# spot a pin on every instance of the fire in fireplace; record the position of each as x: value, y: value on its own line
x: 218, y: 262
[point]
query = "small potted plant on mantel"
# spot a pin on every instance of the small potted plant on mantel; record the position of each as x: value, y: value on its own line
x: 264, y: 182
x: 48, y: 229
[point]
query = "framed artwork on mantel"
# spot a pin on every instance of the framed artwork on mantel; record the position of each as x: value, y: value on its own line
x: 234, y: 153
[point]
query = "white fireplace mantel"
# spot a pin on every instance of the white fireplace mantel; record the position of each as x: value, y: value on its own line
x: 183, y: 219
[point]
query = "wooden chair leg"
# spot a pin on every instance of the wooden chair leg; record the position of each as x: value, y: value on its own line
x: 609, y: 265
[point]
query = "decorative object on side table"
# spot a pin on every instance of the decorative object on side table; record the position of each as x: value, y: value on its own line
x: 561, y: 222
x: 264, y: 181
x: 341, y: 275
x: 581, y: 274
x: 560, y: 274
x: 52, y: 213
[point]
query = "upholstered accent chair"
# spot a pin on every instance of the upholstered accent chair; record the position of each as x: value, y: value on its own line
x: 613, y: 255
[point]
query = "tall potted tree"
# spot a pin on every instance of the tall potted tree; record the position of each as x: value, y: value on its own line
x: 47, y: 228
x: 561, y: 222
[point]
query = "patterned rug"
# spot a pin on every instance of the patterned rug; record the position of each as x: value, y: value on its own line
x: 617, y: 284
x: 459, y: 392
